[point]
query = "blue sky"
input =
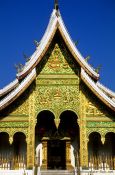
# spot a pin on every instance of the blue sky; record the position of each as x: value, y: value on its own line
x: 91, y: 22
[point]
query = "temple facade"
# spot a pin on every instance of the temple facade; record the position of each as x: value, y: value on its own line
x: 56, y: 114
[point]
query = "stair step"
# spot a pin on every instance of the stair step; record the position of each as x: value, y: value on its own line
x: 56, y: 172
x: 15, y: 172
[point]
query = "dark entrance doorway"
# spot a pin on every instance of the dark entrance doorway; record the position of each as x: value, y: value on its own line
x: 56, y: 154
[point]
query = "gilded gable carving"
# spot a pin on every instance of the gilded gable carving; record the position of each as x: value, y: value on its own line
x: 92, y: 109
x: 93, y: 106
x: 21, y: 109
x: 56, y: 98
x: 58, y: 61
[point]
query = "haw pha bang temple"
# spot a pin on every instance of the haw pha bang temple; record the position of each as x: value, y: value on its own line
x: 56, y: 115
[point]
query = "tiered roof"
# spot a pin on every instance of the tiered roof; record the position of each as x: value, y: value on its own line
x: 28, y: 74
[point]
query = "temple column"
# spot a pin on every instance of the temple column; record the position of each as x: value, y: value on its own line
x: 44, y: 153
x: 30, y: 150
x: 68, y: 153
x: 83, y: 145
x: 82, y: 122
x: 31, y: 132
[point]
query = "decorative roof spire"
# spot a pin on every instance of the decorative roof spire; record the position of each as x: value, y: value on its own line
x: 56, y: 6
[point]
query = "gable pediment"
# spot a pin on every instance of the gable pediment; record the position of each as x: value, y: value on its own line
x: 58, y: 60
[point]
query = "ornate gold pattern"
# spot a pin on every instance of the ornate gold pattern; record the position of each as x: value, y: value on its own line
x: 58, y: 61
x: 12, y: 131
x: 14, y: 124
x: 83, y: 136
x: 31, y: 129
x: 20, y: 108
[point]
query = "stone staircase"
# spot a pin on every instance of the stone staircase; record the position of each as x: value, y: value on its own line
x: 56, y: 172
x: 16, y: 172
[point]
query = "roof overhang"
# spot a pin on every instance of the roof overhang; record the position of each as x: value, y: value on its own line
x: 19, y: 90
x: 97, y: 91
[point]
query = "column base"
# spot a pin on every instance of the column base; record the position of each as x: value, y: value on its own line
x: 85, y: 168
x: 30, y: 167
x: 69, y: 166
x: 43, y: 167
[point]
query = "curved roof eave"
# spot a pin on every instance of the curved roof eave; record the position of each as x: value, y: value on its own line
x: 19, y: 90
x: 56, y: 22
x: 106, y: 90
x: 9, y: 87
x: 96, y: 90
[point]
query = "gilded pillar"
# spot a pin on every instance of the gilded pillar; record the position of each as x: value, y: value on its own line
x: 83, y: 146
x: 31, y: 132
x: 83, y: 134
x: 68, y: 154
x: 44, y: 153
x: 30, y: 151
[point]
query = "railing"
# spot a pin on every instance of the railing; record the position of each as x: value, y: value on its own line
x: 102, y: 162
x: 9, y: 163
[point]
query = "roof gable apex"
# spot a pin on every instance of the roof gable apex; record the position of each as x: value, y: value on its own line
x: 56, y: 23
x: 58, y: 60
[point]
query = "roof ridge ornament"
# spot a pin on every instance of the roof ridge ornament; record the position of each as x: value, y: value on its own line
x: 56, y: 7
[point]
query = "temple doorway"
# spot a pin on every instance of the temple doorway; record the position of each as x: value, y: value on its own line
x: 69, y: 129
x: 45, y: 128
x: 57, y: 147
x: 56, y: 154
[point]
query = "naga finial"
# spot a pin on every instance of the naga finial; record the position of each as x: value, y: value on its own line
x: 19, y: 67
x: 98, y: 69
x: 56, y: 6
x: 87, y: 58
x: 26, y: 57
x: 36, y: 43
